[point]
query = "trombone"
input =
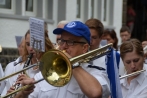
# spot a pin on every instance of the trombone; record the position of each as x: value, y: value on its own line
x: 56, y: 67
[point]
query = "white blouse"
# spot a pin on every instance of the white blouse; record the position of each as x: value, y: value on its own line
x: 137, y: 87
x: 12, y: 68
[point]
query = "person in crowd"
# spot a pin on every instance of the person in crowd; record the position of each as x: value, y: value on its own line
x: 144, y: 43
x: 111, y: 37
x: 132, y: 55
x: 125, y: 34
x: 96, y: 29
x: 86, y: 81
x: 10, y: 67
x: 27, y: 50
x: 145, y: 55
x: 131, y: 14
x: 97, y: 33
x: 61, y: 24
x: 21, y: 47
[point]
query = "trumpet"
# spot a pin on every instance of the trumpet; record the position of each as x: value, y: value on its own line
x: 56, y: 67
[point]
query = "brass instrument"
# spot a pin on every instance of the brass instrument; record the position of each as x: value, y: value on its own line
x: 56, y: 67
x: 132, y: 74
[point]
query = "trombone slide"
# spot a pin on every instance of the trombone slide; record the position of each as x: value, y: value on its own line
x: 18, y: 72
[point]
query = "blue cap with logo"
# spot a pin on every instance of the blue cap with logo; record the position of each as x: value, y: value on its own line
x: 76, y: 28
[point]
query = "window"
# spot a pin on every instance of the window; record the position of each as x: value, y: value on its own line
x: 30, y: 7
x: 99, y: 9
x: 49, y: 9
x: 105, y: 11
x: 92, y: 9
x: 7, y: 6
x: 78, y: 8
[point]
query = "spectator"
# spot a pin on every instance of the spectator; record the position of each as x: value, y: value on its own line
x: 111, y: 37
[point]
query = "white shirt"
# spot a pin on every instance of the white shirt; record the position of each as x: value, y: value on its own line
x: 122, y: 70
x: 11, y: 68
x: 8, y: 71
x: 2, y: 83
x: 72, y: 89
x: 43, y: 89
x: 137, y: 87
x: 101, y: 62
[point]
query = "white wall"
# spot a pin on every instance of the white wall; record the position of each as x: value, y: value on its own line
x: 71, y: 10
x: 117, y: 17
x: 9, y: 28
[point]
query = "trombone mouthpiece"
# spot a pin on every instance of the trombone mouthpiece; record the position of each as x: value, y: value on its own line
x: 57, y: 47
x: 63, y: 51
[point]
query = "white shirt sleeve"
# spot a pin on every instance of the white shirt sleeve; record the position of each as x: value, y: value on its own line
x: 43, y: 89
x: 101, y: 76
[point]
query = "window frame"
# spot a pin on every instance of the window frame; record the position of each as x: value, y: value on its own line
x: 105, y: 22
x: 81, y: 11
x: 28, y: 13
x: 9, y: 11
x: 98, y: 11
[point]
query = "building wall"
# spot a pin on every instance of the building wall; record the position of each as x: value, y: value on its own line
x: 10, y: 27
x: 117, y: 17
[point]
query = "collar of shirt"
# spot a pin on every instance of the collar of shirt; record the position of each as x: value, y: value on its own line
x: 100, y: 46
x: 139, y: 80
x: 17, y: 60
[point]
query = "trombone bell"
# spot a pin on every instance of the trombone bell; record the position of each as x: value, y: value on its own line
x: 56, y: 68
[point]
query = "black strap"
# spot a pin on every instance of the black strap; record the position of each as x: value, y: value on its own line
x: 97, y: 67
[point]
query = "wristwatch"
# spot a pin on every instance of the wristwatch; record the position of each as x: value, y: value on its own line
x: 77, y: 64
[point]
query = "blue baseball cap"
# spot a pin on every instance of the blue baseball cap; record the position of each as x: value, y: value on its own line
x: 76, y: 28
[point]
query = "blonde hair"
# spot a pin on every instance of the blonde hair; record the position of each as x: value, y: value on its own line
x: 131, y: 45
x: 48, y: 46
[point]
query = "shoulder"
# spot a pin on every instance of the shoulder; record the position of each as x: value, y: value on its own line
x: 98, y: 72
x: 9, y: 66
x: 100, y: 62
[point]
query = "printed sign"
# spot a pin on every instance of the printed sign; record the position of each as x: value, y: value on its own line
x: 37, y: 40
